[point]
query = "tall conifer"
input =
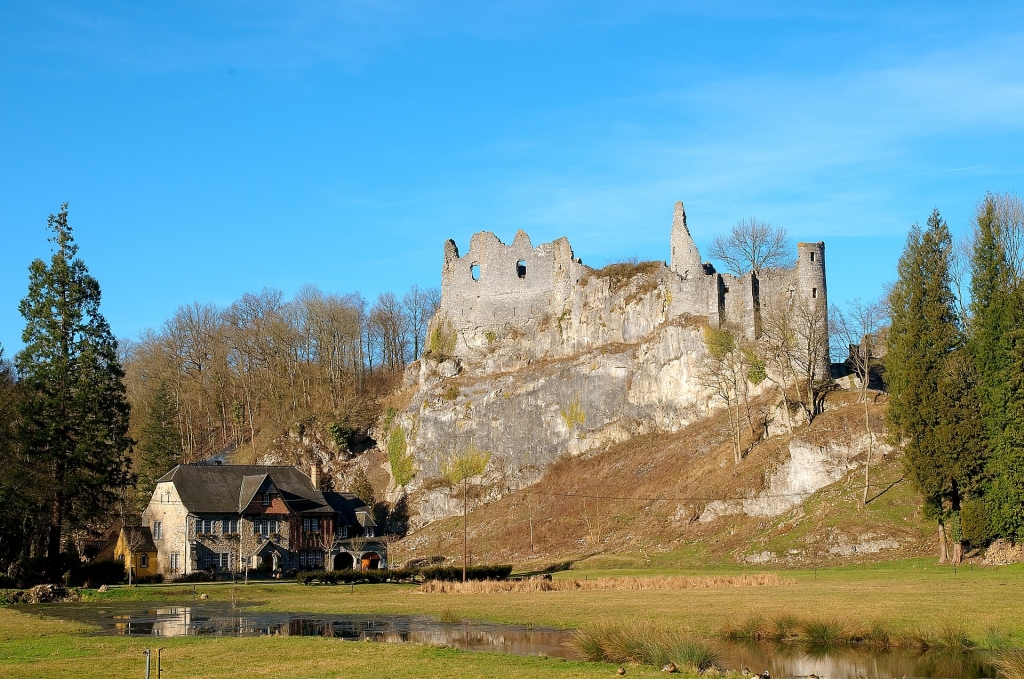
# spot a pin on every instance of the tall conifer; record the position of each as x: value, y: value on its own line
x: 997, y: 346
x: 932, y: 407
x: 74, y: 415
x: 159, y: 447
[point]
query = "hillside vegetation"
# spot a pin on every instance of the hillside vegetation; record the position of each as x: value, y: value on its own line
x: 640, y: 502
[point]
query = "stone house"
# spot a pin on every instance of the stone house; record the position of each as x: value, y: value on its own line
x: 217, y: 517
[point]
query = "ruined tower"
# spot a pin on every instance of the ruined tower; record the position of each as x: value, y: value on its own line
x: 810, y: 283
x: 685, y: 258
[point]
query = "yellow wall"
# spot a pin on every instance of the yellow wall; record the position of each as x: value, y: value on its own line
x: 121, y: 552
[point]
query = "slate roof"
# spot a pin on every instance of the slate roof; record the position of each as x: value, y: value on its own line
x: 143, y: 536
x: 351, y: 509
x: 220, y: 488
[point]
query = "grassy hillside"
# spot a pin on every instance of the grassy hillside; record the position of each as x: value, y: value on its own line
x: 637, y: 504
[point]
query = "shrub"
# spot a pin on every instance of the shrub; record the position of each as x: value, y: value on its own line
x: 149, y: 579
x: 401, y: 464
x: 96, y: 573
x: 195, y: 576
x: 976, y: 522
x: 448, y: 573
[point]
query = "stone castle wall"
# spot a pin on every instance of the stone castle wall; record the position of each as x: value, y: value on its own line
x: 495, y: 287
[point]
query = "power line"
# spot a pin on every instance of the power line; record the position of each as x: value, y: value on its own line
x: 684, y: 498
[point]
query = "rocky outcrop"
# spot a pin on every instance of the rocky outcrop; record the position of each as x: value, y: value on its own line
x: 610, y: 369
x: 807, y: 469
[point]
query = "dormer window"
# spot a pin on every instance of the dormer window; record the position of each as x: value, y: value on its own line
x: 368, y: 532
x: 266, y: 499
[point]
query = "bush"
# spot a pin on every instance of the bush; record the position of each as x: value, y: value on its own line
x: 148, y: 579
x: 96, y: 573
x: 447, y: 573
x: 453, y: 573
x: 976, y: 522
x: 195, y: 576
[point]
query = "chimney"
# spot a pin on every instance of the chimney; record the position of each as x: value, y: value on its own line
x: 314, y: 475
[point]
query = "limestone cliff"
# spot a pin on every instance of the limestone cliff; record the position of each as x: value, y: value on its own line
x: 533, y: 356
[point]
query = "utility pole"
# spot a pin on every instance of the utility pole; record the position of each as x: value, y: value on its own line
x: 465, y: 524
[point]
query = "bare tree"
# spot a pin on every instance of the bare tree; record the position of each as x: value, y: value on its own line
x: 134, y: 540
x: 389, y: 331
x: 331, y: 542
x: 419, y: 306
x: 753, y: 245
x: 859, y: 328
x: 722, y: 374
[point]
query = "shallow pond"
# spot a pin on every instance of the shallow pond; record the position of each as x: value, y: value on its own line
x: 778, y: 660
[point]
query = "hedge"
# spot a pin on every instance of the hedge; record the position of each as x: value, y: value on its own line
x: 450, y: 573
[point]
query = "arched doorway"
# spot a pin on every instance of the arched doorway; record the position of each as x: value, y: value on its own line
x: 344, y: 562
x: 371, y: 561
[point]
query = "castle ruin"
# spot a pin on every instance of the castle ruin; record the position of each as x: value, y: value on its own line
x: 495, y: 286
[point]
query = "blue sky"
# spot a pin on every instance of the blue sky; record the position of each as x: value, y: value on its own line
x: 213, y: 148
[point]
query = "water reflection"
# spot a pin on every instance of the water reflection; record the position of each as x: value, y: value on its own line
x: 782, y: 660
x: 779, y: 660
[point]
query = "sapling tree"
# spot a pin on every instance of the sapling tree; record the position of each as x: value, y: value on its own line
x: 458, y: 469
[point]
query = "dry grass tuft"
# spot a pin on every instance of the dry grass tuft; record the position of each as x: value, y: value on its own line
x: 1010, y: 664
x: 622, y: 584
x: 836, y: 632
x: 643, y: 644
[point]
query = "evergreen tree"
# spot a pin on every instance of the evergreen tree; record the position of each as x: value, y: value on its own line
x: 997, y: 346
x: 17, y: 519
x: 74, y: 414
x: 159, y: 447
x: 932, y: 405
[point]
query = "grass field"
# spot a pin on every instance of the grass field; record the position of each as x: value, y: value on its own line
x: 911, y: 594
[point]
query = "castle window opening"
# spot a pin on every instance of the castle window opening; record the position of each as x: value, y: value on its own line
x: 814, y: 293
x: 521, y: 268
x: 474, y: 269
x: 812, y: 256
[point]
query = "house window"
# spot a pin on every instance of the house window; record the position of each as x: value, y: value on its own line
x: 368, y: 532
x: 174, y: 562
x: 265, y: 527
x: 302, y: 559
x: 143, y: 561
x: 266, y: 499
x: 223, y: 559
x: 344, y: 531
x: 229, y: 526
x: 319, y: 558
x: 204, y: 527
x: 311, y: 525
x: 157, y: 530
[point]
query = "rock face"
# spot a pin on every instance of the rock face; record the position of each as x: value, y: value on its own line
x: 808, y: 469
x: 532, y: 356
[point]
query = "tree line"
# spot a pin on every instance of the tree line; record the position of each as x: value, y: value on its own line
x: 87, y: 423
x: 955, y: 368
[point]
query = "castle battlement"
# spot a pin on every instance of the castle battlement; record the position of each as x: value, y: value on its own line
x: 497, y: 286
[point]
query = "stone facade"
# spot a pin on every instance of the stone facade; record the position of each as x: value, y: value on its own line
x: 234, y: 518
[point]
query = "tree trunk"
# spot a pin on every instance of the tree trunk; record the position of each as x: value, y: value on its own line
x: 465, y: 526
x: 53, y: 538
x: 958, y: 553
x: 943, y: 551
x: 867, y: 465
